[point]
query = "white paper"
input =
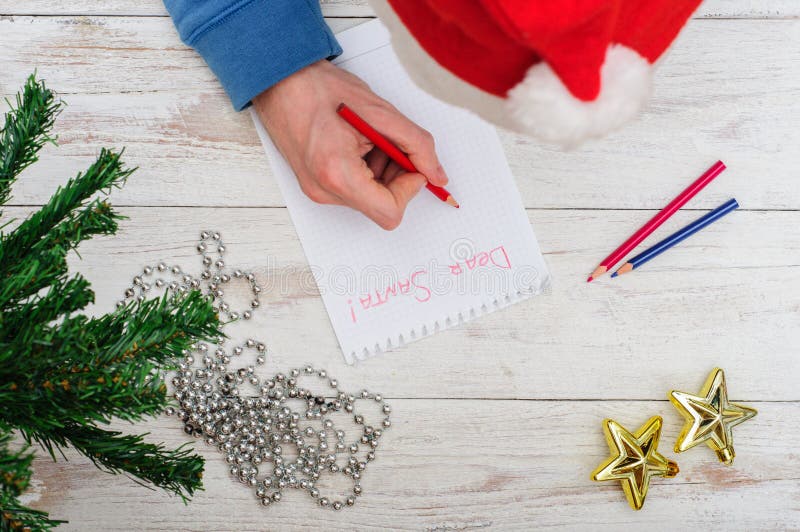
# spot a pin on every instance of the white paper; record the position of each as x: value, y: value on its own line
x: 442, y: 265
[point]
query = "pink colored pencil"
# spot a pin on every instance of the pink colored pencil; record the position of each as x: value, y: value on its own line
x: 654, y: 222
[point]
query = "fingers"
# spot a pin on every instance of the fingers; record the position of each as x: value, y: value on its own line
x: 346, y: 169
x: 404, y: 187
x: 377, y: 162
x: 351, y: 182
x: 415, y: 141
x: 386, y: 204
x: 391, y: 171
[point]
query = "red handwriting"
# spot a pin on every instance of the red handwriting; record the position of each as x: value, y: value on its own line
x: 415, y: 284
x: 494, y: 258
x: 403, y: 287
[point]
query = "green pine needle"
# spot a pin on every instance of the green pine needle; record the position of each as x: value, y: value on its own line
x: 64, y: 375
x: 26, y: 129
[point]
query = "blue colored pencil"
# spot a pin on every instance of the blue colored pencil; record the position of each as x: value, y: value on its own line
x: 677, y: 237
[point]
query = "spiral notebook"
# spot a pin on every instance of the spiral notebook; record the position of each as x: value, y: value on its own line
x: 442, y: 266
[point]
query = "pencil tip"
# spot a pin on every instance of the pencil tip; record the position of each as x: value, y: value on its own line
x: 625, y: 268
x: 451, y: 201
x: 340, y: 107
x: 613, y: 275
x: 600, y: 270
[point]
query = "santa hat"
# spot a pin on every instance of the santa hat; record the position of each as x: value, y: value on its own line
x: 561, y: 70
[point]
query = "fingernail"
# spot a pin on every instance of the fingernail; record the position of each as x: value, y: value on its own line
x: 441, y: 176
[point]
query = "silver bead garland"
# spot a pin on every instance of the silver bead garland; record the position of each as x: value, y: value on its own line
x: 253, y: 430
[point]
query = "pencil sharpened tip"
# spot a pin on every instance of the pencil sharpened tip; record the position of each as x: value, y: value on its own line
x: 600, y: 270
x: 452, y: 202
x: 627, y: 267
x: 613, y: 275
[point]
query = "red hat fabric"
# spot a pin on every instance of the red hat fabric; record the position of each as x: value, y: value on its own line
x: 563, y: 70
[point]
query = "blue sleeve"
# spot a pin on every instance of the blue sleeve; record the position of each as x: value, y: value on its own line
x: 253, y: 44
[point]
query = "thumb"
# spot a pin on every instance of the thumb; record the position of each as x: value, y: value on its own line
x: 415, y: 141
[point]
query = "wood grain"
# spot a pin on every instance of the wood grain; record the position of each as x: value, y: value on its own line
x: 497, y: 421
x: 195, y: 150
x: 358, y: 8
x: 462, y: 465
x: 721, y: 298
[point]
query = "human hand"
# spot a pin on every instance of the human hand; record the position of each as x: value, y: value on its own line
x: 334, y: 163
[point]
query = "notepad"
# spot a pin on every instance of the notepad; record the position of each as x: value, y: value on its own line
x: 442, y: 266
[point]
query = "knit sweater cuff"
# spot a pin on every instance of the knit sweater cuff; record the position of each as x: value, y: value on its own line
x: 258, y: 43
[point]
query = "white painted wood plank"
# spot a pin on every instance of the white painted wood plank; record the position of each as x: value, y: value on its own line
x: 727, y: 297
x: 106, y: 55
x: 179, y: 127
x: 358, y: 8
x: 456, y: 465
x: 139, y: 8
x: 748, y: 9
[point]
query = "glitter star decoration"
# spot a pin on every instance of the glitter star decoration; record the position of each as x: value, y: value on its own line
x: 710, y: 417
x: 635, y: 460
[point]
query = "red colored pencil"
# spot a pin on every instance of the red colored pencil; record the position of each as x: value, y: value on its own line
x: 391, y: 150
x: 654, y: 222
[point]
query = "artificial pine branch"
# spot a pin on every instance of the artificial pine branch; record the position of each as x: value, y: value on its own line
x: 65, y: 375
x: 57, y: 224
x: 15, y: 472
x: 98, y: 369
x: 26, y: 129
x: 177, y: 471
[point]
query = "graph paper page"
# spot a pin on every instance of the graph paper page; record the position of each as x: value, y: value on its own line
x: 442, y: 266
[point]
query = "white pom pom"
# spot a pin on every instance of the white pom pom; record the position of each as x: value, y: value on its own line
x: 542, y: 106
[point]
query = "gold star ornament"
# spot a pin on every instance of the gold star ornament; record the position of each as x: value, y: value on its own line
x: 635, y: 459
x: 710, y: 417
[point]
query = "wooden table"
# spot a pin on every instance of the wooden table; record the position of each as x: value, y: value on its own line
x: 498, y: 422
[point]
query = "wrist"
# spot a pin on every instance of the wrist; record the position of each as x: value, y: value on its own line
x: 286, y: 86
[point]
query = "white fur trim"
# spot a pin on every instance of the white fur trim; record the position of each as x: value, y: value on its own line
x: 435, y: 79
x: 540, y: 105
